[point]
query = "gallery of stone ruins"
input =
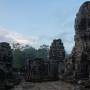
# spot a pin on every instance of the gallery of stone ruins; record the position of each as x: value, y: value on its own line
x: 75, y: 68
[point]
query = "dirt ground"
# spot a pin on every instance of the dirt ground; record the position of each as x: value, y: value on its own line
x: 55, y: 85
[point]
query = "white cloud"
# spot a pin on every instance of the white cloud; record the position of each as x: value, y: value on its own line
x: 68, y: 40
x: 10, y: 36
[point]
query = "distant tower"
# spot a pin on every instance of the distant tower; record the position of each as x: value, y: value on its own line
x: 57, y: 56
x: 57, y: 52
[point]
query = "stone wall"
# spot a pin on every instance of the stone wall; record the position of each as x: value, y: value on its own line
x: 37, y: 70
x: 5, y: 63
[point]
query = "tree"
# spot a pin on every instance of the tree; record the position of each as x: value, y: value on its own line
x: 43, y: 52
x: 18, y: 59
x: 23, y: 53
x: 29, y: 53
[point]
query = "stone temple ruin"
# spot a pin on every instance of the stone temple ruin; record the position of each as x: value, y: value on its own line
x: 5, y: 64
x: 57, y: 55
x: 76, y: 67
x: 39, y: 69
x: 81, y: 55
x: 79, y: 60
x: 57, y: 52
x: 8, y: 77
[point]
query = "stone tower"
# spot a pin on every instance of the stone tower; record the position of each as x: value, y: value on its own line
x: 81, y: 53
x: 57, y: 51
x: 57, y: 56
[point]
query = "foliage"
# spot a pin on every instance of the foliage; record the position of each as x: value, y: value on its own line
x: 23, y: 53
x: 18, y: 58
x: 30, y: 53
x: 43, y: 52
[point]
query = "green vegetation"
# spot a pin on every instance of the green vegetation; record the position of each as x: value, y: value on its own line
x: 22, y: 54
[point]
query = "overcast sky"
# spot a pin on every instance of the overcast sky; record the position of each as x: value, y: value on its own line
x: 38, y: 22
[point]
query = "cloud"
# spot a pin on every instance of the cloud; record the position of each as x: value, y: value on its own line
x: 68, y: 40
x: 10, y: 36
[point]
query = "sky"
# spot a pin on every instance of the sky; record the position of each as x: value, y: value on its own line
x: 37, y: 22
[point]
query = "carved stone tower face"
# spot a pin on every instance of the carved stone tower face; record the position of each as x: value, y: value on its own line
x: 82, y: 26
x: 82, y: 41
x: 57, y: 52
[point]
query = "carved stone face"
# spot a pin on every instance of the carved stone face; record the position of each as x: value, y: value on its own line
x: 82, y: 24
x: 85, y: 8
